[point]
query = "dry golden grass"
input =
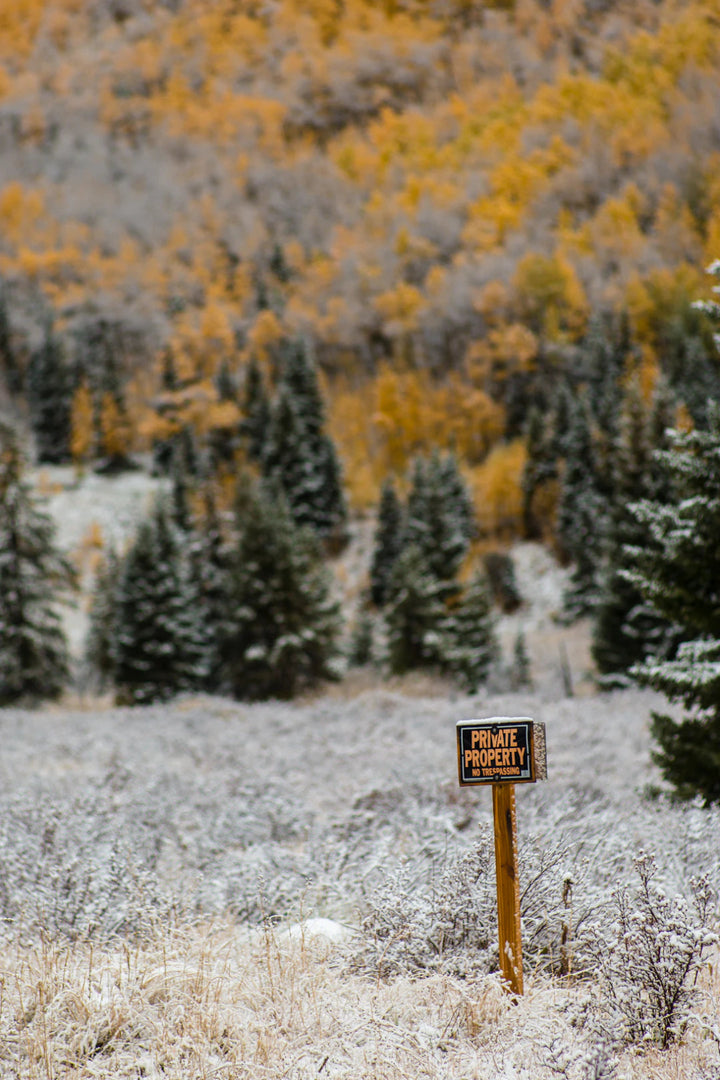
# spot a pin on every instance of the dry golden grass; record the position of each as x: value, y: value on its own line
x: 216, y: 1000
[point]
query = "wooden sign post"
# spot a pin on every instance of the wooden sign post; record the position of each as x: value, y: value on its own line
x: 502, y: 751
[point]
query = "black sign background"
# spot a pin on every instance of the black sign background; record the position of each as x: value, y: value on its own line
x: 495, y: 752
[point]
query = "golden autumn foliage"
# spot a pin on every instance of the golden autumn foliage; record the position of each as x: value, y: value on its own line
x: 115, y: 429
x: 82, y: 432
x: 381, y: 425
x: 430, y: 193
x: 497, y: 491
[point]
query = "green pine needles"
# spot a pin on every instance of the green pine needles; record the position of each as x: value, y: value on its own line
x: 284, y: 622
x: 34, y: 662
x: 679, y: 575
x: 247, y: 610
x: 431, y: 620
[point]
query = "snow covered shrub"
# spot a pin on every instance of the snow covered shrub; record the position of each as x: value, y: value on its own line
x: 584, y: 1053
x: 450, y: 927
x: 659, y: 945
x: 556, y: 902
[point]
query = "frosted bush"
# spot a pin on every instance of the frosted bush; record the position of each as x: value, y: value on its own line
x: 448, y: 927
x: 659, y: 945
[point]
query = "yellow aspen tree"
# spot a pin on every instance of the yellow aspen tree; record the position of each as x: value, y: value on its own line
x: 82, y: 427
x: 115, y: 430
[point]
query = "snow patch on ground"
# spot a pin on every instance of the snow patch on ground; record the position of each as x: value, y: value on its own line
x: 91, y: 513
x: 113, y: 504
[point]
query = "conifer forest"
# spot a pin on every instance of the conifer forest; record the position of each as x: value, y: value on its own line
x: 359, y: 374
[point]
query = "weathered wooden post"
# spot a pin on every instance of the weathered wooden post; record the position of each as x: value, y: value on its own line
x: 503, y: 751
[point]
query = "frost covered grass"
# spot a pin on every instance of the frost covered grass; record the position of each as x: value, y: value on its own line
x: 152, y: 860
x: 212, y: 1000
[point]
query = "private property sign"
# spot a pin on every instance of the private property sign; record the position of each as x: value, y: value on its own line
x: 504, y: 749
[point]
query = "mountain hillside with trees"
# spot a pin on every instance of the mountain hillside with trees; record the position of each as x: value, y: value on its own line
x: 458, y: 206
x: 438, y: 262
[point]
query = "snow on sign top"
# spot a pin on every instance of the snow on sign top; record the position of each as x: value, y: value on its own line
x: 501, y: 750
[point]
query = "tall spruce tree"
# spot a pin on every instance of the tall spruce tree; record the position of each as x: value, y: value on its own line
x: 285, y: 622
x: 581, y: 516
x: 540, y: 469
x: 440, y: 515
x: 679, y: 574
x: 470, y: 643
x: 255, y: 424
x: 50, y: 387
x: 160, y: 645
x: 416, y: 614
x: 388, y: 543
x: 210, y: 557
x: 299, y: 456
x: 689, y: 358
x: 625, y: 627
x: 10, y: 365
x: 33, y: 648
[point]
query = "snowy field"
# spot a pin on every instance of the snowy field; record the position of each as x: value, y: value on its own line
x: 164, y: 870
x: 211, y: 889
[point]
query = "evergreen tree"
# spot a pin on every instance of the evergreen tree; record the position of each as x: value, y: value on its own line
x: 160, y: 646
x: 460, y: 507
x: 299, y: 456
x: 603, y: 360
x: 521, y: 663
x: 285, y: 623
x: 33, y: 648
x: 470, y: 645
x: 9, y: 359
x: 679, y: 574
x: 99, y: 643
x: 255, y: 425
x: 361, y: 642
x: 211, y: 561
x: 539, y: 470
x: 580, y: 519
x: 564, y: 407
x: 416, y: 614
x: 689, y: 359
x: 180, y: 493
x: 388, y: 543
x: 163, y: 448
x: 625, y: 627
x: 50, y: 392
x: 439, y: 515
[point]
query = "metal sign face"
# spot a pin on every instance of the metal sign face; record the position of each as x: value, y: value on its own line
x: 501, y: 750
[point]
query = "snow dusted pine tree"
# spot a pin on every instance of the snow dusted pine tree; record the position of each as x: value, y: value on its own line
x: 160, y: 640
x: 299, y: 456
x: 679, y: 574
x: 388, y: 543
x: 33, y: 649
x: 470, y: 643
x: 50, y: 389
x: 626, y: 628
x: 256, y: 412
x: 210, y: 561
x: 285, y: 623
x: 416, y: 614
x: 580, y: 516
x: 440, y: 515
